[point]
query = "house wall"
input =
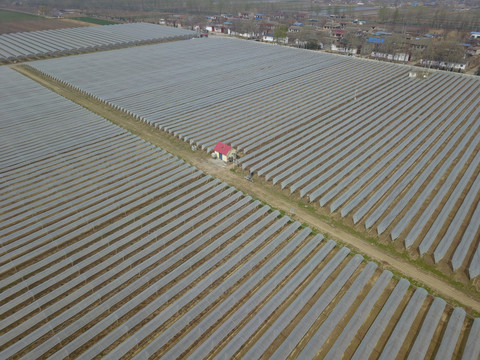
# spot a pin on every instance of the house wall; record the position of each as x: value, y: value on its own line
x: 333, y: 47
x: 396, y: 57
x: 224, y: 157
x: 271, y: 39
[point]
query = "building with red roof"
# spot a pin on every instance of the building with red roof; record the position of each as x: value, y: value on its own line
x: 223, y: 151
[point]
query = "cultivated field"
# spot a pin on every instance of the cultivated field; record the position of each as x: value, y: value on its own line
x: 14, y: 21
x: 114, y: 248
x: 396, y: 155
x: 31, y: 45
x: 93, y: 20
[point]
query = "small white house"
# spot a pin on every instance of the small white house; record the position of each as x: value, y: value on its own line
x: 267, y: 37
x: 247, y: 35
x: 395, y: 57
x: 219, y: 29
x: 224, y: 152
x: 334, y: 47
x: 271, y: 38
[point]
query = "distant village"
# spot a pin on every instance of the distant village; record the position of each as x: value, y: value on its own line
x: 422, y: 34
x: 457, y: 51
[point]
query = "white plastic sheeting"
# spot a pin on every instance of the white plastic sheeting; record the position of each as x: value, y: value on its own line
x: 27, y: 45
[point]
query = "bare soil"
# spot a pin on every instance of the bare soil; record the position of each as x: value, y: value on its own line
x: 261, y: 190
x: 40, y: 24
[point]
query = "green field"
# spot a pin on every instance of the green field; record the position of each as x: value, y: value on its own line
x: 92, y: 20
x: 7, y: 16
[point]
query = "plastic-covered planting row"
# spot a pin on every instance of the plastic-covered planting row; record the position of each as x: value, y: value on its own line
x: 186, y: 125
x: 315, y: 311
x: 229, y: 327
x: 408, y: 171
x: 421, y: 144
x: 52, y: 176
x: 147, y: 101
x: 100, y: 238
x: 299, y: 303
x: 165, y: 186
x: 84, y: 217
x: 171, y: 76
x: 55, y: 165
x: 306, y: 137
x: 310, y: 133
x: 345, y: 139
x: 409, y: 138
x: 261, y: 297
x: 277, y: 120
x: 68, y: 41
x: 263, y: 89
x: 359, y: 136
x: 367, y: 144
x: 446, y: 146
x: 252, y: 223
x: 36, y: 113
x: 461, y: 140
x: 117, y: 248
x: 186, y: 87
x: 47, y: 147
x: 342, y: 174
x: 147, y: 254
x: 97, y: 175
x: 361, y: 140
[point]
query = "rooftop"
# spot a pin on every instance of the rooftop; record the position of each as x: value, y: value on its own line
x: 222, y: 148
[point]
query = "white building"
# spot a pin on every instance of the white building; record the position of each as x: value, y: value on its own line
x: 271, y: 38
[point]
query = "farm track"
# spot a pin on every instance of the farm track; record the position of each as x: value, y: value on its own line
x: 259, y: 190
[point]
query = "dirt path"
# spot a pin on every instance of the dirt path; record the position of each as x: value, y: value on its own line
x: 261, y: 191
x: 73, y: 22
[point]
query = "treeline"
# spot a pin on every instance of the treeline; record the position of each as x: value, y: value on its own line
x: 427, y: 17
x: 185, y: 6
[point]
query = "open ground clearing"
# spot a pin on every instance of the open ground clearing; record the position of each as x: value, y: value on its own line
x: 112, y: 247
x: 92, y: 20
x: 14, y: 21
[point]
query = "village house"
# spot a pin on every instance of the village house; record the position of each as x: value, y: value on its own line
x: 271, y: 38
x: 475, y: 35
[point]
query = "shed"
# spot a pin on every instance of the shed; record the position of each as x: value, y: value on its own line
x: 223, y: 151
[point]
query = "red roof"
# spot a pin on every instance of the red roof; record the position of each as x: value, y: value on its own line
x: 222, y: 148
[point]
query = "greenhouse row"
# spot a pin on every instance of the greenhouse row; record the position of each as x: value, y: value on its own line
x: 113, y: 247
x: 49, y: 43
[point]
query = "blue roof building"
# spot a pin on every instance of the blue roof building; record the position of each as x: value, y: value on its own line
x: 374, y: 40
